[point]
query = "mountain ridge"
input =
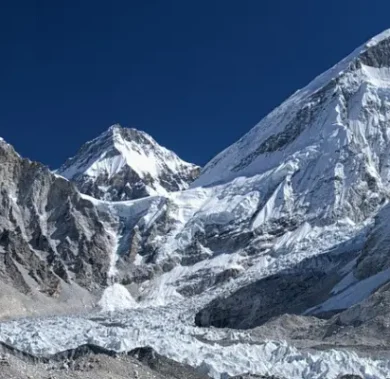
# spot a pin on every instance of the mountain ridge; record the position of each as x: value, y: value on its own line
x: 296, y: 99
x: 287, y: 227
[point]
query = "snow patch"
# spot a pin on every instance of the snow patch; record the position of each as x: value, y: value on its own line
x: 350, y: 292
x: 116, y: 297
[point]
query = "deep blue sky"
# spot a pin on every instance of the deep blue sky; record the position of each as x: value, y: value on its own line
x: 196, y: 75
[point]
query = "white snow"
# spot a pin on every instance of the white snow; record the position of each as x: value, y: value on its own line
x: 317, y: 190
x: 163, y: 330
x: 351, y: 291
x: 115, y: 298
x: 224, y: 166
x: 378, y: 38
x: 108, y: 154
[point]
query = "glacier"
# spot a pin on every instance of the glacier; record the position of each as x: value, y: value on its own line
x: 163, y: 329
x: 305, y: 191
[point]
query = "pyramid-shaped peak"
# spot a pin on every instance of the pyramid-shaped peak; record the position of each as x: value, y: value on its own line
x: 117, y: 132
x: 126, y: 163
x: 118, y: 128
x: 115, y: 127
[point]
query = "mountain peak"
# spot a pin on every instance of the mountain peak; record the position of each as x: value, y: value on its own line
x: 5, y: 146
x: 378, y: 38
x: 126, y: 163
x: 119, y: 129
x: 114, y: 127
x: 302, y: 126
x: 117, y: 135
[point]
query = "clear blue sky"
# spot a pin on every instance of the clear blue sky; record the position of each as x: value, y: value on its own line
x: 196, y: 75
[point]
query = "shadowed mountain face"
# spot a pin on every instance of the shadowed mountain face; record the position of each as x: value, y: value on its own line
x: 48, y: 233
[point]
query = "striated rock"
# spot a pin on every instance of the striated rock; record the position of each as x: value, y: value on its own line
x: 48, y: 232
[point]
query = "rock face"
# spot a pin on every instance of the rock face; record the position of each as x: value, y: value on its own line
x: 256, y: 303
x: 126, y: 164
x: 375, y: 256
x: 48, y: 233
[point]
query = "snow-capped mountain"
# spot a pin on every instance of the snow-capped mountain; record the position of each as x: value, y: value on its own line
x: 126, y: 164
x: 328, y: 110
x: 326, y: 148
x: 283, y: 234
x: 308, y: 179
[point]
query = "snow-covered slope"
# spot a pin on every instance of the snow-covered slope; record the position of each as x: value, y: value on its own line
x: 321, y: 118
x: 125, y: 164
x: 308, y: 179
x: 293, y: 218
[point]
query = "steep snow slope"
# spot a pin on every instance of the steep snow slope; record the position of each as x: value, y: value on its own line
x: 124, y: 164
x: 307, y: 180
x: 292, y: 218
x: 324, y: 116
